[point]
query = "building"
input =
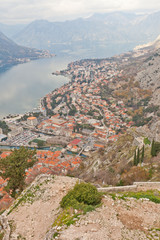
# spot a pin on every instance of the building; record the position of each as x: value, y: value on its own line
x: 32, y: 121
x: 15, y: 132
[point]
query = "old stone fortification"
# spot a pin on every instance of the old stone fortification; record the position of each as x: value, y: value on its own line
x: 137, y: 186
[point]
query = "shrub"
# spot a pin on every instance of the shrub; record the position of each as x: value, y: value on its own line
x: 146, y: 141
x: 81, y: 195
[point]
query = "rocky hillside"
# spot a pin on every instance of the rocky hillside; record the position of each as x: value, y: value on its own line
x: 139, y: 89
x: 11, y: 53
x: 113, y: 165
x: 149, y: 76
x: 32, y: 215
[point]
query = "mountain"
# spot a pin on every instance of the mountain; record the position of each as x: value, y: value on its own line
x: 97, y: 31
x: 10, y: 30
x: 11, y: 53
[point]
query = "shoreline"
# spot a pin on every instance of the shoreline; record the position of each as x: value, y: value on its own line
x: 45, y: 82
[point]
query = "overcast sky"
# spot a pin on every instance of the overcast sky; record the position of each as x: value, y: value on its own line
x: 25, y: 11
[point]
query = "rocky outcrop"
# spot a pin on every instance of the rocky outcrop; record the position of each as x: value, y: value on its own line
x: 34, y: 212
x: 32, y: 215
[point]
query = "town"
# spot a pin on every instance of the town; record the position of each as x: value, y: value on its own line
x: 75, y: 120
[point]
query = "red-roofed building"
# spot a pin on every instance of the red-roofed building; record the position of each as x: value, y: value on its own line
x: 75, y: 142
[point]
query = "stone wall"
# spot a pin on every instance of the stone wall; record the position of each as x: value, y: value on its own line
x: 144, y: 186
x: 137, y: 186
x: 118, y: 189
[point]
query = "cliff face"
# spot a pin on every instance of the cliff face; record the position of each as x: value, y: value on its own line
x: 32, y: 216
x: 149, y: 76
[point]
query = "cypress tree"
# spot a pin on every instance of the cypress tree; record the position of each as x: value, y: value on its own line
x: 135, y: 159
x: 142, y: 156
x: 153, y: 149
x: 138, y: 160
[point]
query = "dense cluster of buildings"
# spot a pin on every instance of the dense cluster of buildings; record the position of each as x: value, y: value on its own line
x: 82, y: 101
x: 83, y: 109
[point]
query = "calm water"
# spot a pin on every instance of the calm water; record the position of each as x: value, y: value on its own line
x: 23, y: 85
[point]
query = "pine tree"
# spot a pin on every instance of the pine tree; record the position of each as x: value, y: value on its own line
x: 13, y: 168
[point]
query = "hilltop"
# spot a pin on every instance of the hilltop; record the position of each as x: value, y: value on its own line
x: 33, y: 215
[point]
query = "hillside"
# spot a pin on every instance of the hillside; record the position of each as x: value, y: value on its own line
x: 139, y: 89
x: 11, y: 53
x: 94, y: 33
x: 33, y: 214
x: 113, y: 165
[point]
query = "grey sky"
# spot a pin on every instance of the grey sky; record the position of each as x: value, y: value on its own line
x: 25, y: 11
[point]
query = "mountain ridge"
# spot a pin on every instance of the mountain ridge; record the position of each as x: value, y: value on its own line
x: 93, y: 31
x: 11, y: 53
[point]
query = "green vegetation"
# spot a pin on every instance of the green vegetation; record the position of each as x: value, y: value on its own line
x: 87, y: 126
x: 39, y: 142
x: 138, y: 156
x: 83, y: 198
x: 142, y: 154
x: 55, y: 235
x: 4, y: 127
x: 19, y: 237
x: 151, y: 109
x: 140, y: 120
x: 13, y: 168
x: 82, y: 194
x: 66, y: 217
x: 1, y: 235
x: 31, y: 114
x: 152, y: 195
x: 72, y: 110
x: 80, y: 127
x: 146, y: 141
x: 155, y: 148
x: 27, y: 197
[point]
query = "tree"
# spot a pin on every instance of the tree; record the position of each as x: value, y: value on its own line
x: 135, y: 159
x: 138, y: 159
x: 153, y: 150
x: 142, y: 156
x: 13, y: 168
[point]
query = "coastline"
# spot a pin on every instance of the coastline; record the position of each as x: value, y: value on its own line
x: 33, y: 80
